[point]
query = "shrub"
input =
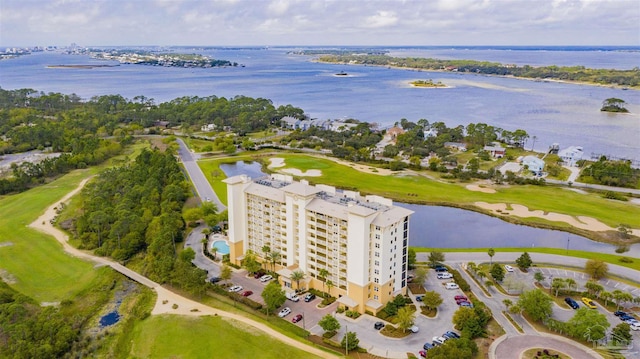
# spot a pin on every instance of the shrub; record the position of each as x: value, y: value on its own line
x: 462, y: 283
x: 352, y: 314
x: 626, y: 260
x: 327, y: 301
x: 340, y: 310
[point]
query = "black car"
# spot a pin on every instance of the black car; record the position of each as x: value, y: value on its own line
x: 619, y: 313
x: 309, y: 297
x: 427, y: 346
x: 214, y: 280
x: 572, y: 303
x: 451, y: 335
x: 440, y: 269
x: 378, y: 325
x: 419, y: 298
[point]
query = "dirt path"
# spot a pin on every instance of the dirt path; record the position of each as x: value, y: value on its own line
x: 167, y: 301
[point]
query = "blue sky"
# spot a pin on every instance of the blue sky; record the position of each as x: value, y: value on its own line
x: 308, y: 22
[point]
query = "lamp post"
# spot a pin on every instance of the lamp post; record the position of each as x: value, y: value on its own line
x: 567, y: 244
x: 346, y: 340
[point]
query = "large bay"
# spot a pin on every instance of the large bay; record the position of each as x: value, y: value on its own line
x: 553, y: 112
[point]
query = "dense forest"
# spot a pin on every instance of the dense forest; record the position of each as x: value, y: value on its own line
x: 630, y: 78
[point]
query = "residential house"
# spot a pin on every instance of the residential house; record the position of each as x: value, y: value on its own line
x: 533, y: 164
x: 571, y: 155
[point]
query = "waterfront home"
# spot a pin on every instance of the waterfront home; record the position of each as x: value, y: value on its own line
x: 571, y: 155
x: 495, y: 150
x: 462, y: 147
x: 533, y: 164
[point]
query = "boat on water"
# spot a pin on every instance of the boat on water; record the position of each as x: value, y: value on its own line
x: 342, y: 73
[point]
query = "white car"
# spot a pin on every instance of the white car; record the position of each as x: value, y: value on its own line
x: 284, y: 312
x: 445, y: 275
x: 266, y: 278
x: 451, y: 285
x: 439, y: 340
x: 508, y: 268
x: 235, y: 289
x: 635, y: 326
x: 414, y: 329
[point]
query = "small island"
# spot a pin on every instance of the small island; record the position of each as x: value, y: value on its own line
x: 427, y: 83
x: 614, y: 105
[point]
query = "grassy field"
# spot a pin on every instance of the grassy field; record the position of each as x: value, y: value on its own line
x: 170, y: 336
x: 34, y: 262
x: 421, y: 190
x: 609, y: 258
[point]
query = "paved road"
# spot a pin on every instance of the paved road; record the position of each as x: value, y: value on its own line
x: 202, y: 186
x: 512, y: 347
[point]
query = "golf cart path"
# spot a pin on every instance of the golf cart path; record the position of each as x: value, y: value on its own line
x: 166, y: 299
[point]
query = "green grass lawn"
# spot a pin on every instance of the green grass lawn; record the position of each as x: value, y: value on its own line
x: 35, y: 261
x: 169, y: 336
x: 418, y: 189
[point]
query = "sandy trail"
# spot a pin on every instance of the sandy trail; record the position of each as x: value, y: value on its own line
x: 166, y: 299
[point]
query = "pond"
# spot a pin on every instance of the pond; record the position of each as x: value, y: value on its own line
x: 447, y: 227
x: 110, y: 318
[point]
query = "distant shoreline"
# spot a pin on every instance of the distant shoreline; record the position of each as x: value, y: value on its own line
x: 79, y: 66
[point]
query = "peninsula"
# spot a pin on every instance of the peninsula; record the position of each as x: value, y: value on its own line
x: 140, y: 57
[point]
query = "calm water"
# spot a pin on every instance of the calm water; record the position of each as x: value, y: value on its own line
x: 446, y: 227
x: 554, y: 112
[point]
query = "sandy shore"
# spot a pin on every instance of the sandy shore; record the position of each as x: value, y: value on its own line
x: 582, y: 222
x: 166, y: 299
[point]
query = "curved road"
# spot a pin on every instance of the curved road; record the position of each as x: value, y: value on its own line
x: 512, y: 347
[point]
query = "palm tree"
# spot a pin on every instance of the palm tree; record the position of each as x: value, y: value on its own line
x: 322, y: 274
x: 274, y: 257
x: 265, y: 252
x: 571, y: 283
x: 606, y: 296
x: 329, y: 285
x: 507, y: 303
x: 557, y: 284
x: 491, y: 252
x: 214, y: 251
x: 297, y: 276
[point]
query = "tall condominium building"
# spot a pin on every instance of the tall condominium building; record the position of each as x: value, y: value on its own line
x: 353, y: 246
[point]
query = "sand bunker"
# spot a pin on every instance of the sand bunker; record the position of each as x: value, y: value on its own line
x: 476, y: 188
x: 277, y: 162
x: 582, y: 222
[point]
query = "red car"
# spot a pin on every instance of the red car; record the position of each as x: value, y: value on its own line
x: 460, y: 297
x: 297, y: 318
x: 247, y: 293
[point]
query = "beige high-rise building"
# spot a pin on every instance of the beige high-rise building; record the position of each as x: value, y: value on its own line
x: 360, y: 241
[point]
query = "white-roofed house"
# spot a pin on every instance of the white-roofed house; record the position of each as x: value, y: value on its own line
x: 533, y: 164
x: 571, y: 155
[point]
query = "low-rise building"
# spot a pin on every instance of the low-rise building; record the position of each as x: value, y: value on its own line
x: 571, y: 155
x: 533, y: 164
x: 355, y: 247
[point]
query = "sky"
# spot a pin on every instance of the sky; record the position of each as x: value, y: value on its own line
x: 319, y: 22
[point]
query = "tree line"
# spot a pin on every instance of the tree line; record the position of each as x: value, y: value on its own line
x: 629, y: 78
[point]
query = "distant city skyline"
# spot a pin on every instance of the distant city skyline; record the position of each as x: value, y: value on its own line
x: 306, y: 22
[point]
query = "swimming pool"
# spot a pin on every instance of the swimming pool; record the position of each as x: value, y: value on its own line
x: 223, y: 247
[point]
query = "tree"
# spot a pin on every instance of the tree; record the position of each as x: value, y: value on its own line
x: 250, y: 262
x: 329, y: 284
x: 421, y: 274
x: 297, y: 276
x: 571, y: 283
x: 621, y: 334
x: 462, y: 348
x: 507, y: 303
x: 584, y: 321
x: 214, y: 251
x: 536, y: 304
x: 596, y: 268
x: 350, y: 341
x: 497, y: 272
x: 606, y: 296
x: 593, y: 288
x: 411, y: 258
x: 405, y: 318
x: 273, y: 296
x: 613, y: 104
x: 225, y: 273
x: 467, y: 320
x: 539, y: 277
x: 435, y: 257
x: 265, y: 253
x: 274, y: 257
x: 557, y: 284
x: 322, y: 274
x: 524, y: 262
x: 431, y: 300
x: 620, y: 296
x: 491, y: 252
x: 329, y: 324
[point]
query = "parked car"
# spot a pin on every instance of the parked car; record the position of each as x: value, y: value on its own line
x: 423, y: 353
x: 214, y: 280
x: 466, y: 304
x: 439, y: 340
x: 451, y: 285
x: 427, y: 346
x: 632, y: 321
x: 292, y: 296
x: 589, y: 303
x: 635, y: 326
x: 619, y: 313
x: 445, y: 275
x: 259, y: 274
x: 460, y: 297
x: 410, y: 278
x: 284, y: 312
x: 461, y: 300
x: 508, y: 268
x: 266, y: 278
x: 309, y: 297
x: 378, y: 325
x: 235, y: 289
x: 572, y: 303
x: 247, y: 293
x: 451, y: 335
x: 414, y: 329
x: 626, y: 317
x: 441, y: 269
x: 419, y: 298
x: 297, y: 318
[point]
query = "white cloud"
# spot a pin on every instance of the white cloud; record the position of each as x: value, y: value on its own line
x: 381, y: 19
